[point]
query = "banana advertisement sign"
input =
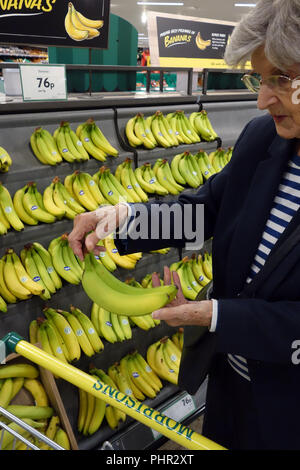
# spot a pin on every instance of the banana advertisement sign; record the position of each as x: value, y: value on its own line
x: 177, y: 41
x: 80, y: 23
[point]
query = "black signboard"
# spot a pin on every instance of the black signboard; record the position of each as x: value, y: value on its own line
x: 197, y: 42
x: 80, y: 23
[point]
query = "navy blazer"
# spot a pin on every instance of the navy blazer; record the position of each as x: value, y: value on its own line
x: 262, y: 329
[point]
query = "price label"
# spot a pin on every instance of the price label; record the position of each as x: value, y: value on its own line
x: 179, y: 410
x: 43, y: 82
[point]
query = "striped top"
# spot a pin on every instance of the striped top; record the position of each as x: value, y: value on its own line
x: 285, y: 205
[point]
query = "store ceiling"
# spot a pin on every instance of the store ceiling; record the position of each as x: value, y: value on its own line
x: 213, y: 9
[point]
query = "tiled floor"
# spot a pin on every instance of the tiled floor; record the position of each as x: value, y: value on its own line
x: 195, y: 425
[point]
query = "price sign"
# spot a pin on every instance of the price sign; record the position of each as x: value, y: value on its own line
x: 179, y: 410
x: 43, y: 82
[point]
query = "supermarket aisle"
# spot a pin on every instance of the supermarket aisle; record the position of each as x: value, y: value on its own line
x: 195, y: 425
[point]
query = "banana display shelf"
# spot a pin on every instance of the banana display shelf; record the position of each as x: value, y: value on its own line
x: 19, y: 315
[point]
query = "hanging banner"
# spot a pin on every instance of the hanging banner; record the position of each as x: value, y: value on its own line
x: 177, y: 41
x: 81, y: 23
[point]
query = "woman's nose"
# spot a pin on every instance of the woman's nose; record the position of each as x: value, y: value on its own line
x: 266, y: 97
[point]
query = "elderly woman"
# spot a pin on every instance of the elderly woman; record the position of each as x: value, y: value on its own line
x: 251, y: 207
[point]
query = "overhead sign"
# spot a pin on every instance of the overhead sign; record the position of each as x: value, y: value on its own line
x: 81, y: 23
x: 177, y: 41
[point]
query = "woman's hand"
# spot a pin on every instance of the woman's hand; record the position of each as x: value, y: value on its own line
x: 91, y: 227
x: 182, y: 312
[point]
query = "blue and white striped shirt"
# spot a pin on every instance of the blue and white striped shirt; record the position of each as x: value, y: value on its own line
x: 285, y: 205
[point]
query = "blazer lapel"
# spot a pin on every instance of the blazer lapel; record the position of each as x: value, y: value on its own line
x: 255, y: 213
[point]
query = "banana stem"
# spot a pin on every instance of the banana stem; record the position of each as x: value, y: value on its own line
x: 148, y: 416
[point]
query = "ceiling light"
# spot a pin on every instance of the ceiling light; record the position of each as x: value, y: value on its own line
x: 144, y: 17
x: 162, y: 3
x: 249, y: 5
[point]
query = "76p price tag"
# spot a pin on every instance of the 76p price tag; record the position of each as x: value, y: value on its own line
x: 43, y: 82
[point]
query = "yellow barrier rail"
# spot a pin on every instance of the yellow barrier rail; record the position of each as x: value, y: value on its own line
x: 166, y: 426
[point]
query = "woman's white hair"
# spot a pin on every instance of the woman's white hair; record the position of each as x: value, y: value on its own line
x: 274, y: 24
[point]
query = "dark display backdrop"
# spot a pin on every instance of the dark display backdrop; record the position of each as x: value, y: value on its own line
x: 42, y: 22
x: 178, y: 38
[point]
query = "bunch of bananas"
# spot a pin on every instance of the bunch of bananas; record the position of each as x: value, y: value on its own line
x: 201, y: 43
x: 219, y: 158
x: 67, y: 265
x: 68, y: 144
x: 8, y: 215
x: 177, y: 338
x: 164, y: 357
x: 15, y: 378
x: 201, y: 124
x: 92, y: 410
x: 16, y: 282
x: 110, y: 326
x: 146, y: 178
x: 123, y: 261
x: 38, y: 263
x: 44, y: 147
x: 80, y: 28
x: 110, y: 293
x: 94, y: 141
x: 65, y: 334
x: 29, y: 205
x: 5, y: 160
x: 194, y: 273
x: 111, y: 189
x: 59, y: 202
x: 84, y: 190
x: 186, y: 170
x: 126, y: 176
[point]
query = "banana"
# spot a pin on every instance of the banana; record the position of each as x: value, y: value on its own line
x: 175, y: 169
x: 172, y: 354
x: 5, y: 160
x: 90, y: 147
x: 124, y: 369
x: 32, y: 205
x: 143, y: 377
x: 98, y: 416
x: 105, y: 259
x: 27, y: 371
x: 93, y: 188
x: 201, y: 128
x: 97, y: 274
x: 204, y: 165
x: 31, y: 412
x: 109, y: 192
x: 187, y: 171
x: 6, y: 392
x: 140, y: 132
x: 209, y: 125
x: 41, y: 150
x: 82, y: 337
x: 155, y: 380
x: 207, y: 265
x: 66, y: 333
x: 70, y: 259
x: 115, y: 320
x: 75, y: 34
x: 40, y: 268
x: 68, y: 200
x: 12, y: 281
x: 61, y: 263
x: 99, y: 139
x: 201, y: 44
x: 164, y: 181
x: 7, y: 295
x: 49, y: 203
x: 120, y: 380
x: 37, y: 390
x: 54, y: 342
x: 18, y: 383
x: 177, y: 338
x: 134, y: 183
x: 156, y: 130
x: 188, y: 289
x: 82, y: 192
x: 133, y: 140
x: 189, y: 129
x: 61, y: 202
x: 144, y: 322
x: 123, y: 192
x: 8, y: 209
x: 195, y: 169
x: 60, y: 139
x: 138, y: 379
x: 82, y: 409
x: 160, y: 366
x: 92, y: 32
x: 119, y: 260
x: 61, y: 438
x: 91, y: 400
x: 47, y: 260
x: 169, y: 131
x: 126, y: 177
x: 95, y: 318
x: 197, y: 268
x: 105, y: 325
x: 32, y: 270
x: 150, y: 178
x: 88, y: 328
x: 146, y: 187
x: 125, y: 325
x: 50, y: 144
x: 97, y: 24
x: 19, y: 208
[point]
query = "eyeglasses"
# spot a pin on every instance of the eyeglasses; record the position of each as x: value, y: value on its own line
x: 278, y: 83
